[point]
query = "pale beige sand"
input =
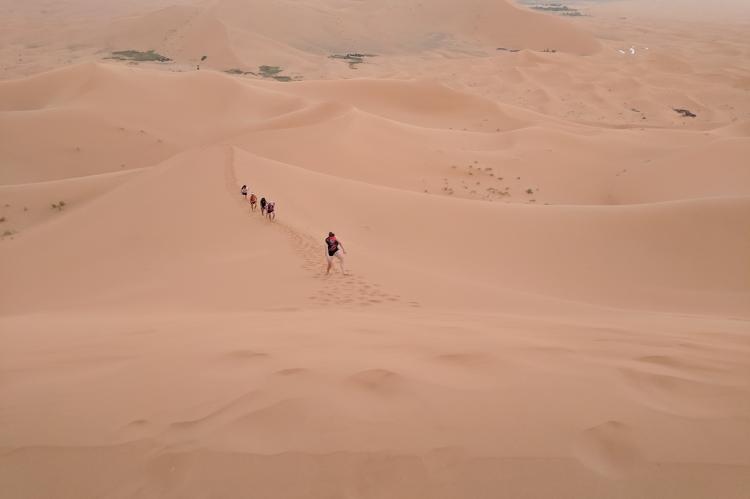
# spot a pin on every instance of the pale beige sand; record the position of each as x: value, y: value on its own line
x: 550, y: 273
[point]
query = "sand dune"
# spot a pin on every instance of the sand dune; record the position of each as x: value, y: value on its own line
x: 332, y: 27
x: 549, y: 284
x: 515, y: 254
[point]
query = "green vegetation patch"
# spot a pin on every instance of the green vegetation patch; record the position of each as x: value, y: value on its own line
x: 136, y: 55
x: 352, y: 58
x: 269, y: 71
x: 274, y: 72
x: 238, y: 71
x: 555, y: 8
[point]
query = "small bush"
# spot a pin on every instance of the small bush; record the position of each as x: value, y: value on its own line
x: 685, y: 113
x: 58, y: 206
x: 275, y: 73
x: 2, y: 219
x: 269, y: 71
x: 529, y: 191
x: 136, y: 55
x: 352, y: 58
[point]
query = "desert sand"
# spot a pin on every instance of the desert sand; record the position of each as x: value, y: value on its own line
x: 549, y: 287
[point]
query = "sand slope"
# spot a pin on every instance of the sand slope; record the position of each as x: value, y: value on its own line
x: 550, y: 285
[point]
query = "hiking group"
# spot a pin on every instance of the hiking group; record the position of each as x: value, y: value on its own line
x: 267, y: 208
x: 334, y: 249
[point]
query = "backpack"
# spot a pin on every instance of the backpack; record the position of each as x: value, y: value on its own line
x: 333, y: 244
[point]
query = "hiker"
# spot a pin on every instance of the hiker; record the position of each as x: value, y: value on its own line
x: 334, y: 249
x: 243, y: 191
x: 271, y: 210
x: 253, y: 201
x: 262, y: 206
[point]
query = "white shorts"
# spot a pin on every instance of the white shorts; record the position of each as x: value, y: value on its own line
x: 335, y: 255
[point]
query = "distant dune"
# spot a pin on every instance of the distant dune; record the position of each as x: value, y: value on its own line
x: 233, y: 31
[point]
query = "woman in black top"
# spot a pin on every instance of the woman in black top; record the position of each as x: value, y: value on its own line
x: 334, y: 249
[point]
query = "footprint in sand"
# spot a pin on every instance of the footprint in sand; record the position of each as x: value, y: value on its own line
x: 608, y: 449
x: 378, y: 381
x: 292, y: 371
x: 464, y: 359
x: 245, y: 355
x: 137, y: 424
x: 685, y: 395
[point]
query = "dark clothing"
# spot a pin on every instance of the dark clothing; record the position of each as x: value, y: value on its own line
x: 333, y: 245
x: 262, y: 202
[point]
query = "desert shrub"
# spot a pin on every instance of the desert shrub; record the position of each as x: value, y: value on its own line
x: 352, y: 58
x: 275, y: 73
x: 136, y: 55
x: 685, y: 113
x: 269, y: 71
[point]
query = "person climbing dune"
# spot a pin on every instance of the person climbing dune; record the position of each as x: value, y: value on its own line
x: 243, y: 191
x: 253, y: 201
x: 271, y: 210
x: 334, y: 249
x: 262, y: 206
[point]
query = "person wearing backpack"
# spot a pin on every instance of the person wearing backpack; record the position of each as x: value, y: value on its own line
x: 271, y: 210
x: 334, y: 249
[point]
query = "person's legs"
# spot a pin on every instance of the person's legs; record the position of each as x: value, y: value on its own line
x: 329, y: 260
x: 340, y: 257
